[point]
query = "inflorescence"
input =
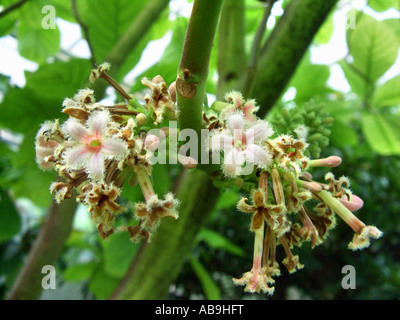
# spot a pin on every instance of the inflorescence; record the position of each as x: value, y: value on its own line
x: 99, y: 147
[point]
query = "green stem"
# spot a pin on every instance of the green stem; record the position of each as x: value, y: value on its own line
x: 255, y: 50
x: 193, y: 67
x: 160, y: 262
x: 231, y: 53
x: 45, y: 251
x: 284, y: 50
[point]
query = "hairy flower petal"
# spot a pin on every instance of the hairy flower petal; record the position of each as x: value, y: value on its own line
x: 114, y: 147
x: 233, y: 161
x: 76, y: 130
x: 221, y: 142
x: 257, y: 155
x: 97, y: 123
x: 77, y: 155
x: 96, y: 165
x: 236, y: 122
x: 259, y: 131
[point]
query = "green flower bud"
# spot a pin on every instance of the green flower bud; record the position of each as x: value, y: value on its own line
x: 328, y: 120
x: 314, y: 137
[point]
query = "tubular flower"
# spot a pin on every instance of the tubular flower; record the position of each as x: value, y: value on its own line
x: 93, y: 144
x: 275, y: 215
x: 257, y: 279
x: 290, y: 193
x: 241, y: 145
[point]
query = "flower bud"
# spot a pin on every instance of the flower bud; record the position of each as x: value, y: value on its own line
x: 332, y: 161
x: 141, y: 119
x: 151, y: 142
x: 172, y: 91
x: 354, y: 204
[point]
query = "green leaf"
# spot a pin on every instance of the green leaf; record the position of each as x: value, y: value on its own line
x: 388, y: 94
x: 33, y: 183
x: 78, y: 240
x: 342, y: 134
x: 7, y: 22
x: 23, y: 110
x: 169, y: 61
x: 157, y: 30
x: 394, y: 24
x: 64, y: 10
x: 58, y: 80
x: 107, y: 21
x: 217, y: 241
x: 118, y: 254
x: 227, y: 200
x: 41, y: 98
x: 10, y: 221
x: 80, y: 272
x: 34, y: 42
x: 324, y: 34
x: 382, y: 132
x: 161, y: 179
x: 373, y: 46
x: 210, y: 288
x: 383, y: 5
x: 102, y: 284
x: 310, y: 80
x: 4, y: 83
x: 357, y: 81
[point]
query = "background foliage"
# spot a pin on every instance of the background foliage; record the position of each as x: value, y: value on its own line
x: 365, y: 134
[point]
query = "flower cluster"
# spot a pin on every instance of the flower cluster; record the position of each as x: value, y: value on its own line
x: 99, y: 147
x: 288, y: 207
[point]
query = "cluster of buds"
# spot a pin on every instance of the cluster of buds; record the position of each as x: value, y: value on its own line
x: 288, y: 207
x: 99, y: 147
x: 312, y: 121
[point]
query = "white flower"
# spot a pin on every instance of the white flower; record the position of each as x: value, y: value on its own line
x: 242, y: 145
x: 94, y: 144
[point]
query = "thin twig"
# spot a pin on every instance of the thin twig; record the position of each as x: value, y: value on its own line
x: 259, y: 34
x: 115, y: 85
x: 12, y: 7
x: 85, y: 31
x: 248, y: 79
